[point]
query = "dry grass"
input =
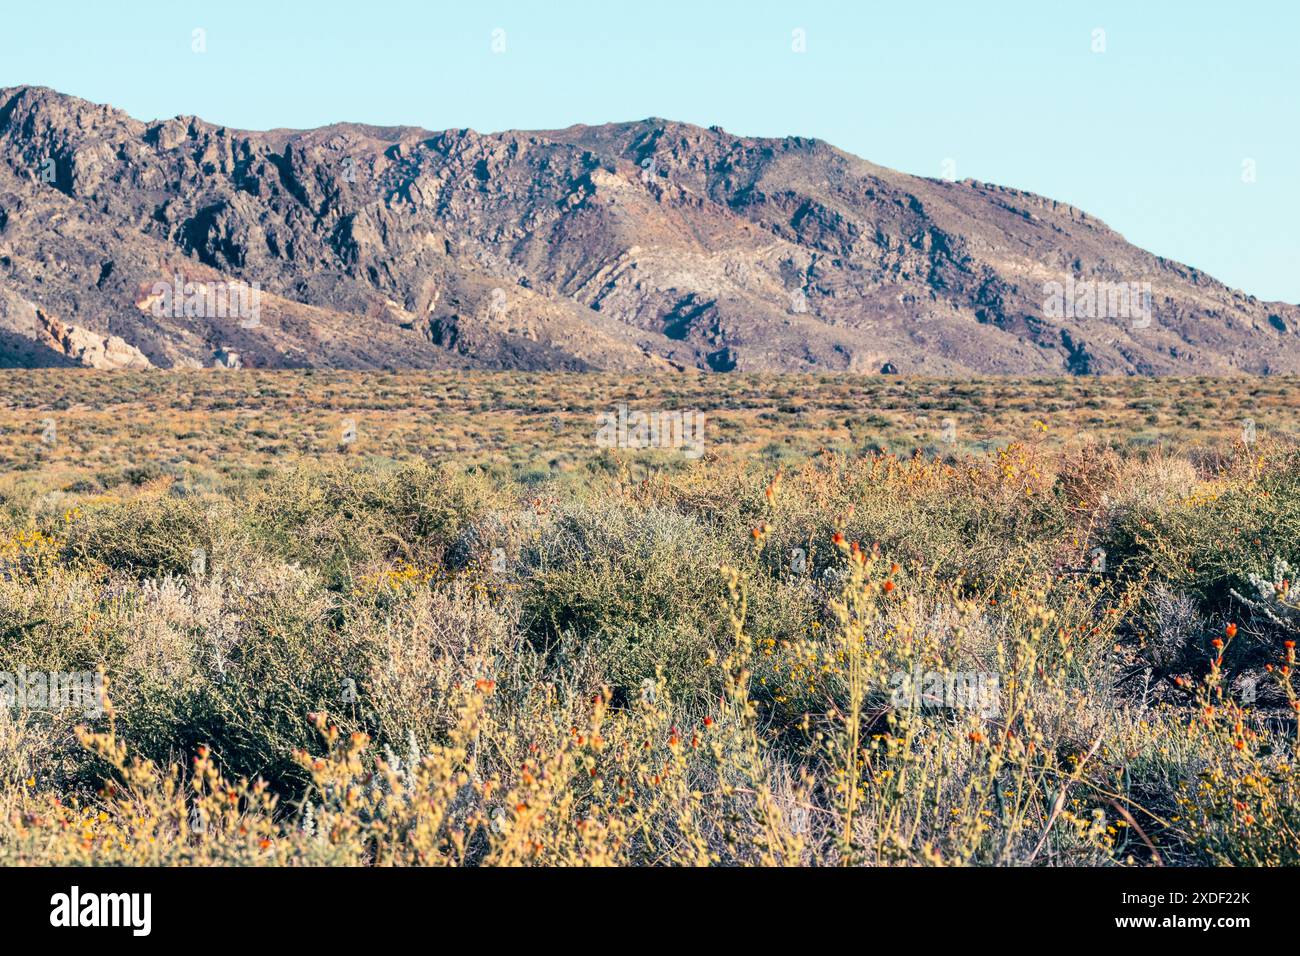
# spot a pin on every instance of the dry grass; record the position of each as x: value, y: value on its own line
x: 843, y: 636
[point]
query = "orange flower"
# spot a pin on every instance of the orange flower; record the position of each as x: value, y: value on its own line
x: 1216, y: 643
x: 888, y: 586
x: 837, y: 538
x: 1231, y: 631
x: 975, y: 737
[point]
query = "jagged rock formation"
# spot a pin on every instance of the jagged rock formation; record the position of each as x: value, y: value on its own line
x: 635, y: 246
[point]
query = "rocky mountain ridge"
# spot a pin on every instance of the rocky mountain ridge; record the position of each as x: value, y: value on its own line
x: 640, y: 246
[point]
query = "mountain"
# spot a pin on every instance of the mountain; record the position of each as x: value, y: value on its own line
x: 629, y: 247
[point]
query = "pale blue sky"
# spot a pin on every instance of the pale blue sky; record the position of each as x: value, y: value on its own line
x: 1150, y: 135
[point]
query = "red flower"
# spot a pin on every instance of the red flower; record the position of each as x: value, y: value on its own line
x: 1231, y: 631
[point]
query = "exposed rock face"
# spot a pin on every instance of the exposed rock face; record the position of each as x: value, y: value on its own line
x: 85, y: 347
x: 636, y: 246
x: 31, y: 338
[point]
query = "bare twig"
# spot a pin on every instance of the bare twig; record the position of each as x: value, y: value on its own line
x: 1059, y: 804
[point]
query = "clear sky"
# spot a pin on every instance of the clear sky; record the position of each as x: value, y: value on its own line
x: 1155, y: 135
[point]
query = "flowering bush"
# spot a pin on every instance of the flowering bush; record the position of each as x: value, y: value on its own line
x: 849, y: 660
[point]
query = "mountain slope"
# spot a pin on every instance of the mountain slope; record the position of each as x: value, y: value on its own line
x: 628, y: 247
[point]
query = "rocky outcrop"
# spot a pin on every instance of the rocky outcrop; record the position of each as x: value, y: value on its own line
x: 30, y: 337
x: 85, y: 347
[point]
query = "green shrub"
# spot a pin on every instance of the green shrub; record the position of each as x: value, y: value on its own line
x: 339, y: 517
x: 642, y: 585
